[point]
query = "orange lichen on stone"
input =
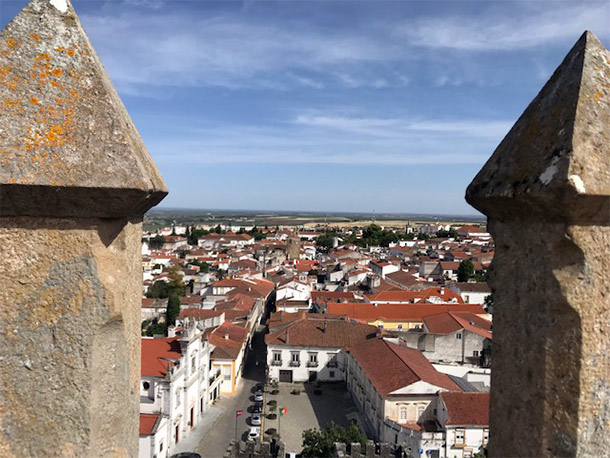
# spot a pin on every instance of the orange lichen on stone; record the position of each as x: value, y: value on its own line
x: 43, y: 56
x: 10, y: 103
x: 56, y: 71
x: 33, y: 100
x: 35, y: 37
x: 11, y: 42
x: 70, y: 52
x: 54, y: 134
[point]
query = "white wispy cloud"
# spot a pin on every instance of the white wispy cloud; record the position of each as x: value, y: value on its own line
x: 227, y: 51
x: 236, y: 48
x: 509, y: 29
x: 329, y: 139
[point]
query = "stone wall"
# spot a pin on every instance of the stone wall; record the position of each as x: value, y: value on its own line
x: 546, y: 192
x: 75, y: 181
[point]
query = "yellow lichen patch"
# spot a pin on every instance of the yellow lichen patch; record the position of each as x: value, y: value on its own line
x: 56, y: 72
x: 11, y: 42
x: 598, y: 95
x: 54, y: 135
x: 35, y: 37
x: 10, y: 103
x: 33, y: 100
x: 54, y: 83
x: 43, y: 56
x: 70, y: 52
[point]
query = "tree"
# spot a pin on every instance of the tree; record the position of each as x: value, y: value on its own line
x: 325, y: 241
x: 321, y: 443
x: 173, y: 309
x: 465, y: 270
x: 159, y: 289
x: 175, y: 283
x: 157, y: 241
x: 451, y: 233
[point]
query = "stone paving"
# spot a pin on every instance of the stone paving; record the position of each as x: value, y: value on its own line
x: 308, y: 410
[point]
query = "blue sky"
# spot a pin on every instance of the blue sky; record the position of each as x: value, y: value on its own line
x: 328, y: 105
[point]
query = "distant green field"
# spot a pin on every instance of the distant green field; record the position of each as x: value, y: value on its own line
x: 161, y: 217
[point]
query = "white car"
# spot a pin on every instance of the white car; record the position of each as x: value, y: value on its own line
x: 254, y: 433
x: 258, y: 396
x: 255, y: 420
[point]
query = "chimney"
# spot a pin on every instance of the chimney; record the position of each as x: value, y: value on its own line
x: 171, y: 331
x: 287, y: 338
x: 442, y: 291
x: 324, y: 330
x: 226, y: 336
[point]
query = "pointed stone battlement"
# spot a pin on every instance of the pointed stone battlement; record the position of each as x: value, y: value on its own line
x: 552, y: 160
x: 68, y: 146
x: 546, y: 193
x: 75, y: 181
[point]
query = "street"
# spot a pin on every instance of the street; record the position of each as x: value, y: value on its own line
x: 216, y: 440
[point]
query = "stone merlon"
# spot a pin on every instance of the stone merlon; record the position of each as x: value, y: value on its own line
x: 68, y: 146
x: 554, y: 162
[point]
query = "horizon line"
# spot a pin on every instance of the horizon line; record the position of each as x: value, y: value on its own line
x: 317, y: 212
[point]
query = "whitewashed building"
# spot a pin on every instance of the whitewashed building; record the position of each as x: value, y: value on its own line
x: 174, y: 389
x: 306, y: 347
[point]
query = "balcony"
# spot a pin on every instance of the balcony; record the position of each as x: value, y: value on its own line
x: 295, y: 363
x: 312, y: 364
x: 215, y: 376
x: 276, y: 362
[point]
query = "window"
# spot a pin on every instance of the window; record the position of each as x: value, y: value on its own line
x: 331, y: 374
x: 380, y: 325
x: 226, y: 372
x: 160, y: 446
x: 475, y: 353
x: 458, y: 335
x: 403, y: 414
x: 420, y: 411
x: 177, y: 398
x: 313, y: 357
x: 146, y: 385
x: 466, y: 298
x: 485, y: 436
x: 295, y: 357
x: 277, y: 356
x: 459, y: 436
x: 193, y: 365
x: 467, y: 454
x: 399, y: 326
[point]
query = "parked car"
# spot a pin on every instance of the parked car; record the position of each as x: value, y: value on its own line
x: 254, y: 433
x: 255, y: 420
x: 259, y: 387
x: 258, y: 396
x: 257, y: 407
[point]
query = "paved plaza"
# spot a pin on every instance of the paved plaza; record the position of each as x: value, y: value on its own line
x: 308, y: 410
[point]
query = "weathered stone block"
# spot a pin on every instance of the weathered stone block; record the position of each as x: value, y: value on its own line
x: 546, y: 192
x: 75, y: 180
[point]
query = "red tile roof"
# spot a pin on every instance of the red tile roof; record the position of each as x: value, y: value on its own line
x: 398, y: 312
x: 320, y: 331
x: 155, y: 355
x: 228, y: 338
x: 391, y: 367
x: 199, y: 314
x: 326, y: 295
x: 467, y: 409
x: 411, y: 296
x: 446, y: 323
x: 148, y: 421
